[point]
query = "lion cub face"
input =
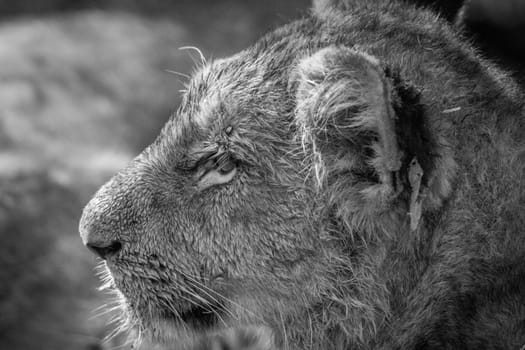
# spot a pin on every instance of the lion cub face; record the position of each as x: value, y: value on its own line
x: 245, y: 209
x: 216, y: 217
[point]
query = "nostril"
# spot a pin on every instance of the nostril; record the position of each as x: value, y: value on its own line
x: 105, y: 251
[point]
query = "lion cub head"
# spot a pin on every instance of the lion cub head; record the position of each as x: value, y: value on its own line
x: 257, y: 201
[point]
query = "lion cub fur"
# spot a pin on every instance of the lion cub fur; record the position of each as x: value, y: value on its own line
x: 315, y: 242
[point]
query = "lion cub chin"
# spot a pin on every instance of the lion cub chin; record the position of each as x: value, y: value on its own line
x: 244, y: 338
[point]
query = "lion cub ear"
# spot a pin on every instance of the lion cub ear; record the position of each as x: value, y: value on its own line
x: 343, y: 102
x: 366, y: 133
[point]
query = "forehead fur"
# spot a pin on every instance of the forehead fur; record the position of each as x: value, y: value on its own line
x: 260, y: 71
x: 222, y: 85
x: 247, y: 90
x: 247, y: 94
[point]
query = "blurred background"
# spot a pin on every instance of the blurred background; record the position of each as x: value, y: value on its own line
x: 83, y: 88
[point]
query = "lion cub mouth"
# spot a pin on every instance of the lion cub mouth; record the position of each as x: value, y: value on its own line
x: 199, y: 318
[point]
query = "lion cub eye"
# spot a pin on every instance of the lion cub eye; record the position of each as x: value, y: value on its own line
x: 216, y: 172
x: 226, y: 167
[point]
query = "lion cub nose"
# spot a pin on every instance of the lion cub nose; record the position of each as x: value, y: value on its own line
x: 98, y: 226
x: 98, y: 241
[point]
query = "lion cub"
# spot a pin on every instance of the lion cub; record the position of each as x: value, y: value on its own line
x: 354, y: 180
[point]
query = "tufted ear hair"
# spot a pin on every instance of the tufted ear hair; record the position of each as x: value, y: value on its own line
x: 370, y: 145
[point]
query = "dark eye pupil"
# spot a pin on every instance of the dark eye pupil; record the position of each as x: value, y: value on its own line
x: 226, y: 167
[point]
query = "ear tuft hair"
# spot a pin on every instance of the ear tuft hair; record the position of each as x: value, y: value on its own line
x: 341, y: 91
x: 362, y: 126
